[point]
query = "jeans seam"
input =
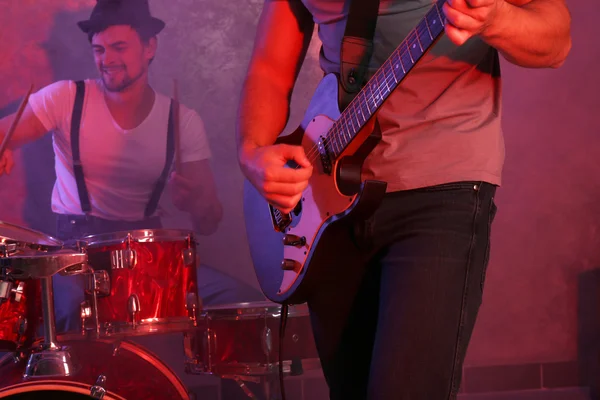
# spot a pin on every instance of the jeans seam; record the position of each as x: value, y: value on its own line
x: 457, y: 348
x: 488, y: 245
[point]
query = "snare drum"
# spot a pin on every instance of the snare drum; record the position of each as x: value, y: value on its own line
x: 144, y: 282
x: 102, y: 369
x: 243, y: 339
x: 20, y: 300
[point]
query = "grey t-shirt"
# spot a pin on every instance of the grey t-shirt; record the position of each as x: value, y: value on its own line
x: 442, y: 124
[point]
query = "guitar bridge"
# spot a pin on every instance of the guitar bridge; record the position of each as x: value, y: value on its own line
x: 281, y: 221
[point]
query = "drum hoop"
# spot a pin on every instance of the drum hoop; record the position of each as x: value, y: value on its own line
x: 76, y: 387
x: 44, y: 242
x: 144, y: 327
x: 249, y: 310
x: 139, y: 235
x: 142, y: 352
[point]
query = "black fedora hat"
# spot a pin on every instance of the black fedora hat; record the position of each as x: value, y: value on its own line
x: 135, y: 13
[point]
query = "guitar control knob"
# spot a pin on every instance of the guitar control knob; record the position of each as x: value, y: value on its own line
x: 293, y: 240
x: 290, y: 265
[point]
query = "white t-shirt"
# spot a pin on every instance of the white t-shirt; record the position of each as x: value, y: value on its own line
x: 121, y: 167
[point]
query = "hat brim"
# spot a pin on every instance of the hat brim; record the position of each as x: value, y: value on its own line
x: 152, y: 26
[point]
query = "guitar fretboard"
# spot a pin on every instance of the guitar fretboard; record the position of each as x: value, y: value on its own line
x: 386, y: 79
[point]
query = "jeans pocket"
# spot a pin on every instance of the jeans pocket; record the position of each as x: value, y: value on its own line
x: 491, y: 215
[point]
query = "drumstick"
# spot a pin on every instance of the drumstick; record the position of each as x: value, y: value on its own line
x: 176, y: 126
x: 13, y: 126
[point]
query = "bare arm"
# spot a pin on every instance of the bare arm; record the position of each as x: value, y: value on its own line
x: 27, y: 130
x: 197, y: 195
x: 536, y: 33
x: 528, y: 33
x: 283, y: 35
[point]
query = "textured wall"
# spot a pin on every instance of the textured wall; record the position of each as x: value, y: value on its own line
x: 546, y: 232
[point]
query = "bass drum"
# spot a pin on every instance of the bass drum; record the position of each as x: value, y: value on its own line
x: 130, y: 372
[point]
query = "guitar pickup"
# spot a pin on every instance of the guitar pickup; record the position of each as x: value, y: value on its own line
x: 324, y: 155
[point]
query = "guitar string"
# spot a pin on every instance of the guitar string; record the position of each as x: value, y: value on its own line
x: 389, y: 78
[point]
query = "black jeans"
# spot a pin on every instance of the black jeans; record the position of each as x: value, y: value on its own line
x: 400, y: 329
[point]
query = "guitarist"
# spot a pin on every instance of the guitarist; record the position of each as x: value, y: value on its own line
x: 402, y: 331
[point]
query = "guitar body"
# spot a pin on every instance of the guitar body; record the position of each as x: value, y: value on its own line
x: 312, y: 248
x: 320, y: 225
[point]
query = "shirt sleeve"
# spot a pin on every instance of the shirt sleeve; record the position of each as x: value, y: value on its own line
x: 194, y: 143
x: 53, y: 104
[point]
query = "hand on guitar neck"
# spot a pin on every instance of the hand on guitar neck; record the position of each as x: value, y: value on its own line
x: 268, y: 170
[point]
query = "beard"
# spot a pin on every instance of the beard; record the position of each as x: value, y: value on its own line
x: 119, y: 80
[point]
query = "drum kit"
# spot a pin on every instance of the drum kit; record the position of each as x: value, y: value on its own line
x: 139, y: 282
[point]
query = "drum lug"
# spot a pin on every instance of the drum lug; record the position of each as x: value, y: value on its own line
x: 85, y: 312
x: 193, y: 306
x: 133, y: 307
x: 19, y: 291
x: 97, y: 391
x: 189, y: 254
x: 99, y: 282
x: 126, y: 258
x: 267, y: 341
x: 5, y: 290
x: 210, y: 344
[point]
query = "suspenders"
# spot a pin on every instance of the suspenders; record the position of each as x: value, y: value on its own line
x: 78, y: 168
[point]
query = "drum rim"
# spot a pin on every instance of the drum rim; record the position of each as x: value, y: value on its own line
x: 54, y: 385
x: 139, y: 350
x: 48, y: 243
x: 148, y: 326
x: 146, y: 235
x: 258, y: 308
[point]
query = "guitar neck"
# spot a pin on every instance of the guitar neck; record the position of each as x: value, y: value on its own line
x: 386, y: 79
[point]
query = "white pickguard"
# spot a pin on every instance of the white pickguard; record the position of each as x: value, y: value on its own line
x: 321, y: 200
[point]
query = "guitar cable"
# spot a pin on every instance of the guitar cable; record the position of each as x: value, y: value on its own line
x: 282, y: 324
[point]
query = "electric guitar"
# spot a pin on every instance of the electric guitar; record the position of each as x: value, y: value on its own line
x: 292, y: 253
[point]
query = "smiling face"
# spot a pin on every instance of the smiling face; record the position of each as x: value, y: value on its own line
x: 121, y: 56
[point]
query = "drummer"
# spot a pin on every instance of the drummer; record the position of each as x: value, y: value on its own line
x: 115, y: 150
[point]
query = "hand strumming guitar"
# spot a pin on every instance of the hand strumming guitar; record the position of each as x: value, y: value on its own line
x: 468, y: 18
x: 265, y: 167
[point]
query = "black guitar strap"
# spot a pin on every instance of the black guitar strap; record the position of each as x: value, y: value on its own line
x: 357, y: 48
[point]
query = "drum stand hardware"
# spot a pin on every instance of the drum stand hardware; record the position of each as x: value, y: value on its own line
x: 97, y: 391
x: 49, y: 358
x: 270, y: 385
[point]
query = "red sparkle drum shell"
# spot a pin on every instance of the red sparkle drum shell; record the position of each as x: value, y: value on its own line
x: 163, y: 277
x: 131, y: 372
x: 20, y: 317
x: 243, y: 339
